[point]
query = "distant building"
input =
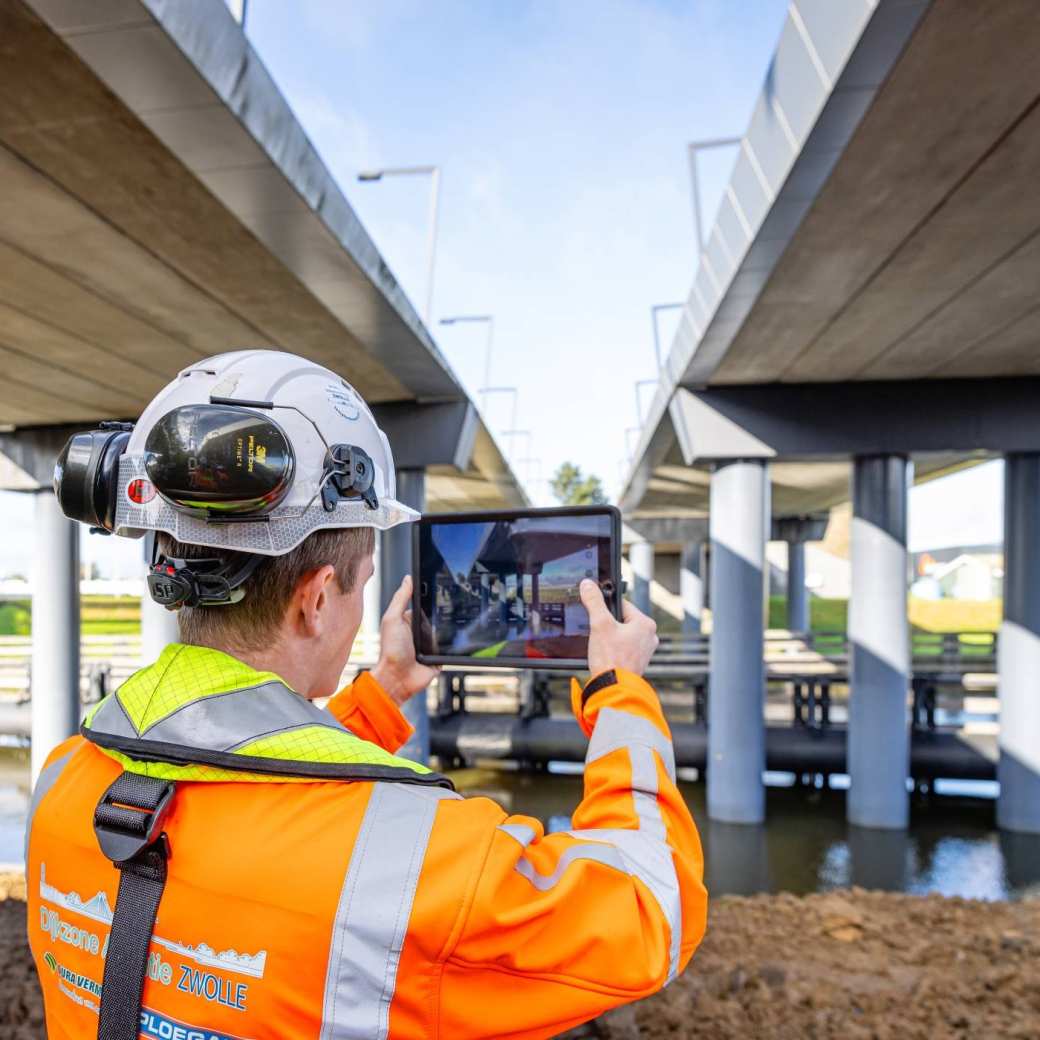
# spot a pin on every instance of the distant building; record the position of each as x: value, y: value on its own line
x: 959, y: 572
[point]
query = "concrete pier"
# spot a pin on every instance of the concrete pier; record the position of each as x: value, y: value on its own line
x: 797, y: 594
x: 158, y: 625
x: 55, y: 629
x: 1018, y: 767
x: 691, y: 587
x: 395, y: 562
x: 879, y: 739
x: 641, y: 557
x: 736, y: 726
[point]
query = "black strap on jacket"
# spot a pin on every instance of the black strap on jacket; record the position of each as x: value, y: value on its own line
x: 128, y: 823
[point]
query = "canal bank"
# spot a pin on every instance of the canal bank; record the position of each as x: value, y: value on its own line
x: 842, y: 964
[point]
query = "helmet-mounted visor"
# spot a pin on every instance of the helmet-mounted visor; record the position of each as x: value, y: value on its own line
x: 221, y: 460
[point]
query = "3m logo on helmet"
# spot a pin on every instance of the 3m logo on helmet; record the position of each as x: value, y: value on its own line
x: 140, y: 492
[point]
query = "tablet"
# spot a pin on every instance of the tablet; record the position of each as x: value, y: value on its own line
x: 501, y: 589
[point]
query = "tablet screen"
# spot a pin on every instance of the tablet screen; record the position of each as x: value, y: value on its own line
x: 508, y: 588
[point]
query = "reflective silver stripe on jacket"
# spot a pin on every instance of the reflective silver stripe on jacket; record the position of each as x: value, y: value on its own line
x: 374, y: 908
x: 641, y: 852
x: 221, y: 721
x: 46, y: 780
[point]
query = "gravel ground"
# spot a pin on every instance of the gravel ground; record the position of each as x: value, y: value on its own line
x: 848, y: 965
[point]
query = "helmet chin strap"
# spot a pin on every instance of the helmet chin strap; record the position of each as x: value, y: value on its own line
x: 205, y: 582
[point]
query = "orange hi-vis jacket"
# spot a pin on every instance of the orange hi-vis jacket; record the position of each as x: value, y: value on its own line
x: 320, y: 888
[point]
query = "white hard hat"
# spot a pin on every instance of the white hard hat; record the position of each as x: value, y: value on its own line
x: 252, y: 451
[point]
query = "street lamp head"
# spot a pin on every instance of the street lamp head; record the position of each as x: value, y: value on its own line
x: 466, y: 317
x: 370, y: 175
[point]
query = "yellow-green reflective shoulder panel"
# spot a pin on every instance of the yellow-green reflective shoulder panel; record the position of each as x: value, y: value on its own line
x: 323, y: 744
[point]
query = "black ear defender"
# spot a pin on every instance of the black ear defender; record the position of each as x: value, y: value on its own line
x: 86, y: 475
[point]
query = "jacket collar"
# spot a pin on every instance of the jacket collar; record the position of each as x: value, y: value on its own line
x: 199, y: 714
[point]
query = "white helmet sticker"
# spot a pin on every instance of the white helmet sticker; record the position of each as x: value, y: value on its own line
x: 343, y: 401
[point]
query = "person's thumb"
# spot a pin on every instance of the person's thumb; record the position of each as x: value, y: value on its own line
x: 592, y: 598
x: 401, y: 599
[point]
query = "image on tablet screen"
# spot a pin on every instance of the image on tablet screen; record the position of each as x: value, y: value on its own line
x: 510, y: 588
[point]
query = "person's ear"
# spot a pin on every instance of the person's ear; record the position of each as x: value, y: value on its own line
x: 312, y: 596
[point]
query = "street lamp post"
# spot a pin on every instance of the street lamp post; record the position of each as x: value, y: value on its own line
x: 485, y: 319
x: 629, y: 430
x: 486, y: 392
x: 695, y: 148
x: 518, y: 433
x: 434, y: 172
x: 654, y: 311
x: 639, y: 398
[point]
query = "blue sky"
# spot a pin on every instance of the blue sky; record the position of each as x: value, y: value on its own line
x: 560, y: 127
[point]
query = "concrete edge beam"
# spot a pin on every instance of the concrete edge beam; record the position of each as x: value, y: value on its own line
x: 842, y: 420
x: 423, y: 435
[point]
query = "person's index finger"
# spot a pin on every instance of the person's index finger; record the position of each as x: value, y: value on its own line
x: 401, y: 598
x: 629, y: 611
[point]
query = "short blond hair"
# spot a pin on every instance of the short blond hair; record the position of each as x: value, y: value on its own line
x: 251, y: 623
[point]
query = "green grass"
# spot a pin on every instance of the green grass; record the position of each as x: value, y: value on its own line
x: 831, y: 615
x: 825, y: 615
x: 99, y: 615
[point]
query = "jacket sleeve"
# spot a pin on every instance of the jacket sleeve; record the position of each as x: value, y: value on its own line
x: 562, y: 927
x: 368, y: 712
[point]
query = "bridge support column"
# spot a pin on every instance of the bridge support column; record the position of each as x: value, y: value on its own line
x: 736, y: 723
x: 796, y: 531
x: 373, y: 602
x: 797, y: 593
x: 395, y: 562
x: 55, y: 629
x: 878, y: 733
x: 641, y: 557
x: 691, y: 587
x: 1018, y: 768
x: 159, y: 626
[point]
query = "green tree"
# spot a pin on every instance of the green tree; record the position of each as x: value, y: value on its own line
x: 572, y: 488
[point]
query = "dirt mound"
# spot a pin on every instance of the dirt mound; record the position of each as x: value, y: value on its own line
x: 847, y: 965
x: 21, y: 1006
x: 851, y: 964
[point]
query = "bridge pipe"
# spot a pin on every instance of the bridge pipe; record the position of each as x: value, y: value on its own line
x: 395, y: 553
x: 788, y: 749
x: 879, y: 640
x: 1018, y: 649
x: 55, y: 629
x: 738, y: 528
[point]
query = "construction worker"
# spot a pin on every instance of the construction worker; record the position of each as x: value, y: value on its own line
x: 216, y: 857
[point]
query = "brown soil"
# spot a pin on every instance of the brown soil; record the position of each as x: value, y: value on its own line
x: 21, y: 1007
x: 843, y: 965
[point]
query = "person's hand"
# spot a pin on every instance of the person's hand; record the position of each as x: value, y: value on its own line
x: 398, y: 672
x: 627, y: 644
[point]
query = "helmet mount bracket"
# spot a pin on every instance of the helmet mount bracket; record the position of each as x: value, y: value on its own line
x: 349, y: 473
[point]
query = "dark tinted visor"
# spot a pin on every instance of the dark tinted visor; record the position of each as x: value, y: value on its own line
x: 221, y: 459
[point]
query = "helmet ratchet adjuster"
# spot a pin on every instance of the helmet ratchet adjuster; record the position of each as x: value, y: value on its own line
x: 205, y: 582
x: 349, y: 473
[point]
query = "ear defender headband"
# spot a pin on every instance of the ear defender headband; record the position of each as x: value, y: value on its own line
x: 204, y: 582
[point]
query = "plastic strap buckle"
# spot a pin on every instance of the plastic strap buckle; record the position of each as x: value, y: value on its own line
x: 131, y: 815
